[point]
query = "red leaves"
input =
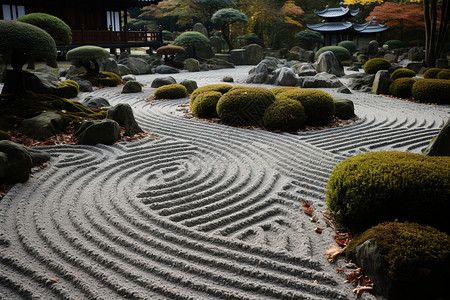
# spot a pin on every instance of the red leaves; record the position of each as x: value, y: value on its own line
x: 342, y: 239
x: 362, y: 282
x: 308, y: 208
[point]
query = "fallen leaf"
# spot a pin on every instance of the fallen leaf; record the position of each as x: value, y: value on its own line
x: 340, y: 270
x: 308, y: 210
x: 360, y: 289
x: 54, y: 280
x: 333, y: 253
x: 306, y: 204
x: 318, y: 230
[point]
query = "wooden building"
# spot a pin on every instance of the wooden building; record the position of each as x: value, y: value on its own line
x: 93, y: 22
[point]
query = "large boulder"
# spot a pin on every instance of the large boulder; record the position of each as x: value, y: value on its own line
x: 123, y: 69
x: 372, y: 49
x: 110, y: 65
x: 381, y: 82
x: 74, y: 70
x: 440, y: 144
x: 259, y: 75
x: 138, y: 66
x: 163, y: 69
x: 123, y: 57
x: 199, y: 27
x: 321, y: 80
x: 270, y: 62
x: 122, y: 113
x: 307, y: 70
x: 15, y: 162
x: 327, y: 62
x: 85, y: 85
x: 96, y: 102
x: 128, y: 77
x: 216, y: 44
x: 344, y: 109
x: 254, y: 53
x: 160, y: 81
x: 415, y: 66
x: 360, y: 81
x: 192, y: 65
x: 218, y: 63
x: 286, y: 77
x: 190, y: 85
x: 39, y: 83
x: 105, y: 132
x: 43, y: 126
x: 237, y: 56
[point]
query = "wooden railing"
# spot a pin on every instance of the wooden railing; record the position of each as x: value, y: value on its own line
x: 114, y: 37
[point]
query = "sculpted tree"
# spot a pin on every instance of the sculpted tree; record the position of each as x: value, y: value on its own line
x: 225, y: 17
x: 193, y: 40
x: 54, y: 26
x: 309, y: 38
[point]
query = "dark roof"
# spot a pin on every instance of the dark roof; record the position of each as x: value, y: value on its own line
x: 330, y: 26
x: 370, y: 27
x: 337, y: 12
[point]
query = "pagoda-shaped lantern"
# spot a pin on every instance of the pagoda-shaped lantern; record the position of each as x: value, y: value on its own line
x: 336, y: 27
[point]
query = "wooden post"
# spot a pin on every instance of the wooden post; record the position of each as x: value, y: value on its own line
x: 125, y: 25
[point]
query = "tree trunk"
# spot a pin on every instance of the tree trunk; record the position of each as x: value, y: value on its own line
x: 226, y: 35
x: 15, y: 83
x: 434, y: 38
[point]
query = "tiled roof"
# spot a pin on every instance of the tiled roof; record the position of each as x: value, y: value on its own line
x: 330, y: 26
x: 370, y: 27
x: 337, y: 12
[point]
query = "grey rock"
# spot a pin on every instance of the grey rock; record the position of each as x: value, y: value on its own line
x: 110, y: 65
x: 39, y: 83
x: 366, y: 89
x: 381, y: 82
x: 227, y: 79
x: 105, y: 132
x: 128, y: 77
x: 286, y: 77
x: 132, y: 86
x: 270, y: 62
x: 415, y: 66
x: 160, y: 81
x: 259, y: 75
x: 412, y: 53
x: 440, y: 144
x: 96, y: 102
x: 73, y: 70
x: 43, y: 126
x: 254, y: 53
x: 327, y: 62
x: 190, y: 85
x: 390, y: 57
x: 122, y: 113
x: 344, y: 90
x: 204, y: 67
x: 307, y: 70
x: 237, y: 56
x: 199, y: 27
x: 85, y: 85
x: 372, y: 48
x: 38, y: 157
x: 344, y: 109
x: 192, y: 65
x: 123, y: 69
x: 353, y: 68
x: 217, y: 63
x: 163, y: 69
x: 216, y: 43
x: 138, y: 66
x: 123, y: 58
x: 17, y: 161
x: 358, y: 80
x: 321, y: 80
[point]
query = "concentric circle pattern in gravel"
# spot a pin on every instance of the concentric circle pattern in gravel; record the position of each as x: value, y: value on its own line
x: 202, y: 211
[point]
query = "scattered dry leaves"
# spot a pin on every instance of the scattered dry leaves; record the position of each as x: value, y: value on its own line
x: 362, y: 282
x: 333, y: 253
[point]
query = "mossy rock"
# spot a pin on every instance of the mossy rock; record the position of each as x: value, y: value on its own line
x: 444, y: 74
x: 340, y: 52
x: 431, y: 73
x: 220, y: 87
x: 87, y: 53
x: 374, y: 65
x: 370, y: 188
x: 319, y: 105
x: 102, y: 79
x: 402, y: 73
x: 244, y: 106
x: 401, y: 87
x: 205, y: 105
x: 344, y: 109
x: 68, y: 89
x: 349, y: 45
x: 132, y: 86
x: 281, y: 89
x: 171, y: 91
x: 285, y: 114
x: 432, y: 91
x: 394, y: 44
x: 414, y: 260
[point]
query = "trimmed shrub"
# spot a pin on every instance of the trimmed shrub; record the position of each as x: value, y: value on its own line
x: 132, y: 86
x: 401, y: 87
x: 56, y: 27
x: 171, y: 91
x: 444, y: 74
x: 220, y: 87
x: 205, y: 105
x: 102, y: 78
x: 394, y: 44
x: 281, y: 89
x: 340, y: 52
x: 68, y: 89
x: 245, y: 106
x: 432, y: 91
x: 319, y: 105
x: 407, y: 250
x: 349, y: 45
x: 402, y: 73
x: 431, y: 73
x: 244, y: 40
x: 167, y: 35
x: 376, y: 64
x: 370, y: 188
x: 309, y: 38
x: 285, y: 114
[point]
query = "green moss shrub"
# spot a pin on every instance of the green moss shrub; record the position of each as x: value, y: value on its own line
x: 401, y: 87
x: 349, y: 45
x: 281, y: 89
x: 432, y: 91
x: 431, y: 73
x: 56, y: 27
x: 394, y: 44
x: 416, y: 258
x: 319, y: 105
x: 171, y: 91
x: 376, y: 64
x: 402, y: 73
x: 222, y: 88
x: 308, y: 38
x: 340, y: 52
x: 444, y: 74
x: 68, y: 89
x: 245, y: 106
x: 285, y: 114
x: 205, y: 105
x: 102, y: 78
x: 132, y: 86
x: 370, y: 188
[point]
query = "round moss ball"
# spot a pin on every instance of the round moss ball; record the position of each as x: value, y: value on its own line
x: 68, y: 89
x: 244, y: 106
x: 205, y: 105
x: 349, y: 45
x: 132, y: 86
x: 285, y: 115
x: 402, y: 73
x: 171, y: 91
x: 222, y: 88
x: 401, y: 87
x: 370, y: 188
x: 431, y: 73
x: 444, y: 74
x: 281, y: 89
x: 432, y: 91
x: 340, y: 52
x: 102, y: 78
x: 319, y: 105
x: 376, y: 64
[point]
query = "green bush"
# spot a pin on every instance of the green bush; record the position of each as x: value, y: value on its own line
x: 340, y: 52
x: 432, y: 91
x: 407, y: 250
x: 132, y: 86
x: 167, y: 35
x: 370, y: 188
x: 319, y: 105
x: 401, y: 87
x: 56, y: 27
x: 171, y: 91
x: 394, y: 44
x: 376, y: 64
x: 68, y: 89
x: 349, y: 45
x: 244, y: 106
x: 402, y: 72
x: 444, y: 74
x: 219, y: 87
x: 431, y: 73
x: 285, y: 114
x: 244, y: 40
x: 281, y: 89
x: 309, y: 38
x: 205, y: 105
x: 102, y: 78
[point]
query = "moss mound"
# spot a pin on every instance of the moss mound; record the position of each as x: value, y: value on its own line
x: 281, y: 89
x: 444, y: 74
x: 401, y: 87
x: 416, y: 258
x: 376, y: 64
x: 382, y: 186
x: 102, y: 79
x: 394, y: 44
x: 340, y: 52
x: 68, y: 89
x: 349, y: 45
x: 222, y: 88
x: 285, y: 114
x: 319, y: 105
x: 244, y: 106
x: 432, y: 91
x: 431, y: 73
x: 402, y: 73
x: 205, y: 105
x: 132, y: 86
x: 171, y: 91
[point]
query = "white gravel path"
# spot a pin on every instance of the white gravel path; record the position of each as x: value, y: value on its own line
x: 203, y: 211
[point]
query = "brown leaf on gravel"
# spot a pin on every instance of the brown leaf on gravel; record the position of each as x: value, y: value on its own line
x: 360, y: 289
x: 318, y: 230
x: 340, y: 270
x: 308, y: 210
x: 333, y: 253
x: 306, y: 204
